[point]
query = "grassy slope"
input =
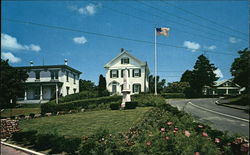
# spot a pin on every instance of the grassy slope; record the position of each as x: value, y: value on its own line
x: 86, y: 123
x: 24, y: 110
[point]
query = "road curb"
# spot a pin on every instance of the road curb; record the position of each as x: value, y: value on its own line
x: 231, y: 116
x: 229, y: 106
x: 22, y: 149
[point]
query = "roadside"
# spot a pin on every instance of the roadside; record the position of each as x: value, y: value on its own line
x: 227, y: 103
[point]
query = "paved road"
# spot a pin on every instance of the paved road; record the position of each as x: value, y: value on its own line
x: 220, y: 122
x: 6, y: 150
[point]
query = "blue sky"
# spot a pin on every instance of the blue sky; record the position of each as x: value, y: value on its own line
x: 88, y: 53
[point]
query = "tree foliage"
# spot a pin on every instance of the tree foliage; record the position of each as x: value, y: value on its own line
x: 86, y: 85
x: 160, y: 84
x: 12, y: 80
x: 176, y: 87
x: 240, y: 69
x: 202, y: 74
x: 102, y: 91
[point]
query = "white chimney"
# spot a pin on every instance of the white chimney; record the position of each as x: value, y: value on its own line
x: 31, y: 63
x: 65, y: 61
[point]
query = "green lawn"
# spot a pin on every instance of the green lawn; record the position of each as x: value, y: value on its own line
x: 86, y: 123
x: 20, y: 111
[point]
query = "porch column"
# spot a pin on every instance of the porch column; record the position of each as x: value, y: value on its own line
x: 56, y: 94
x: 41, y: 92
x: 25, y: 93
x: 226, y: 91
x: 213, y: 92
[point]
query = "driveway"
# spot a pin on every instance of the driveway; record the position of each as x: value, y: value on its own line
x: 222, y: 118
x: 6, y: 150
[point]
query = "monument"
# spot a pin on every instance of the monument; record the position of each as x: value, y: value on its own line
x: 126, y: 91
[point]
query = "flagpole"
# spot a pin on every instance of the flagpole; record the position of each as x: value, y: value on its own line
x: 155, y: 63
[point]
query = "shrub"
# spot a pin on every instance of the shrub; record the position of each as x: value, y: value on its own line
x: 173, y: 95
x: 131, y: 105
x: 27, y: 137
x: 79, y: 104
x: 148, y: 100
x: 114, y: 106
x: 12, y: 117
x: 21, y: 116
x: 32, y: 115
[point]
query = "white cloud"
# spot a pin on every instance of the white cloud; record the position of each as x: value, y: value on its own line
x: 10, y: 43
x: 218, y: 73
x: 80, y: 40
x: 89, y: 9
x: 212, y: 47
x: 193, y: 46
x: 233, y: 40
x: 11, y: 57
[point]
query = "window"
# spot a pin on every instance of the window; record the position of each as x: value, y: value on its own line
x: 74, y: 78
x: 113, y: 73
x: 54, y: 75
x: 67, y: 76
x: 37, y: 75
x: 136, y: 88
x: 125, y: 61
x: 67, y: 90
x: 74, y: 90
x: 137, y: 73
x: 123, y: 71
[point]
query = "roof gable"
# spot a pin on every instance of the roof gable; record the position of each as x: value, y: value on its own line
x: 225, y: 83
x: 124, y: 54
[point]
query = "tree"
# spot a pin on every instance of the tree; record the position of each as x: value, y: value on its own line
x: 202, y: 74
x: 240, y: 69
x: 160, y: 84
x: 176, y: 87
x: 12, y: 86
x: 102, y: 91
x: 86, y: 85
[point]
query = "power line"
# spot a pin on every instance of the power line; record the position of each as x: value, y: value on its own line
x: 209, y: 20
x: 171, y: 14
x: 103, y: 35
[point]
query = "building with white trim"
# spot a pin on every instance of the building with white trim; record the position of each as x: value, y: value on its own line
x: 138, y: 73
x: 43, y: 81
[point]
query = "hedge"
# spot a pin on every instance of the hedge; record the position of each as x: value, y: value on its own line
x: 173, y: 95
x: 79, y: 104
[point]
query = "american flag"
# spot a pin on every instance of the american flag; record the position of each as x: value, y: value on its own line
x: 162, y: 31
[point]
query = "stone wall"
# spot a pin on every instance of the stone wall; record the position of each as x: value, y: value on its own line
x: 8, y: 126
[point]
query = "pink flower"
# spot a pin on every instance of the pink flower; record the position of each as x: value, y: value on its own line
x: 166, y: 138
x: 197, y: 153
x: 169, y: 123
x: 187, y: 133
x: 148, y: 143
x: 217, y: 140
x: 204, y: 134
x: 200, y: 126
x: 162, y: 129
x: 176, y: 129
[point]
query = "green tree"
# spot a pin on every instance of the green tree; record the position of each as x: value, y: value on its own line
x: 202, y: 74
x: 102, y: 91
x: 11, y: 87
x: 160, y: 84
x: 176, y: 87
x: 86, y: 85
x: 240, y: 69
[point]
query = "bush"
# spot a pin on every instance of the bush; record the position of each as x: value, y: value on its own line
x: 115, y: 106
x: 173, y: 95
x: 79, y: 104
x: 21, y: 116
x: 131, y: 105
x: 148, y: 100
x: 32, y: 115
x: 27, y: 137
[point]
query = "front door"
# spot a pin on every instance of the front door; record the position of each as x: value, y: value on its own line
x: 114, y: 88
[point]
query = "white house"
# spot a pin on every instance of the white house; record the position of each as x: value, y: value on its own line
x: 138, y: 73
x: 43, y: 81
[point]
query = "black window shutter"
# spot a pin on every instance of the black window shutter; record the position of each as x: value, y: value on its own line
x: 133, y: 88
x: 139, y: 72
x: 128, y: 72
x: 110, y: 73
x: 122, y: 73
x: 117, y: 72
x: 133, y: 75
x: 139, y: 88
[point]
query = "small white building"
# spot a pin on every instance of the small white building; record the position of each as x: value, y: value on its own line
x: 43, y: 81
x: 138, y: 73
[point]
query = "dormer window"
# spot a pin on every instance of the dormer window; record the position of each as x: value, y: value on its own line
x: 125, y: 61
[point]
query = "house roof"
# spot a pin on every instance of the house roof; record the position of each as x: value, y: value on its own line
x: 218, y: 83
x: 50, y: 66
x: 123, y: 53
